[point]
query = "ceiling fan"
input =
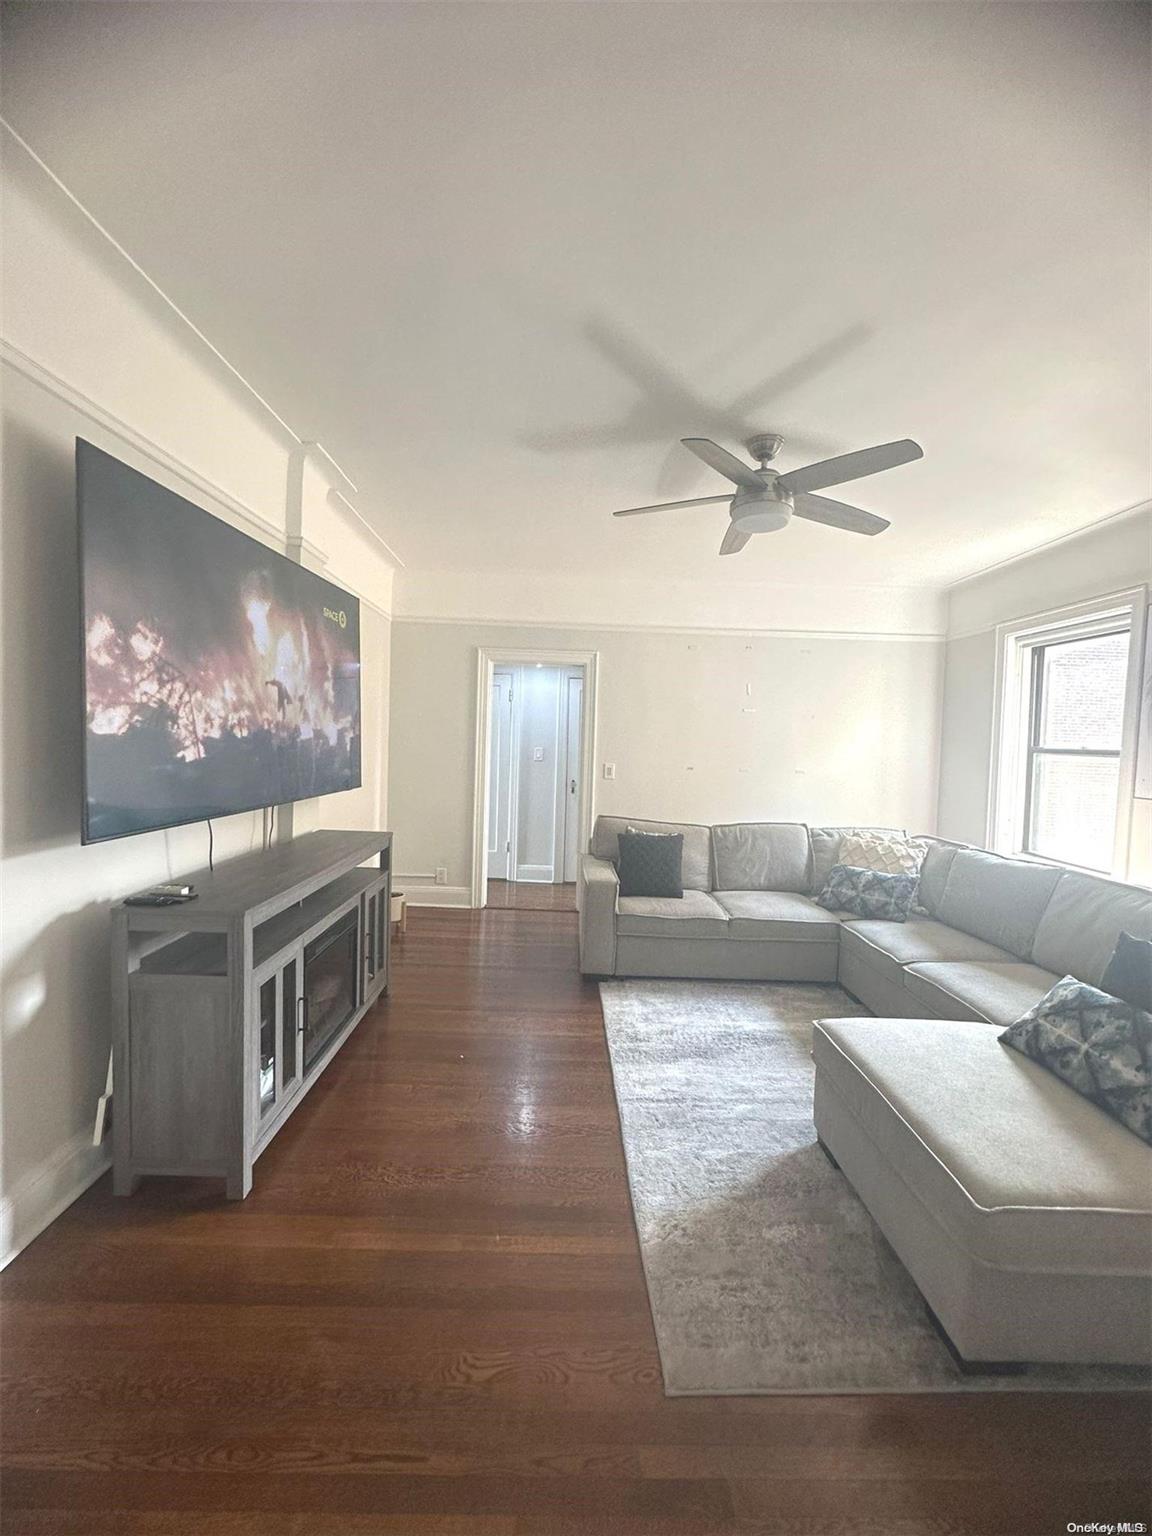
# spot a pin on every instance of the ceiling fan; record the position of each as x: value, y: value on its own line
x: 764, y: 501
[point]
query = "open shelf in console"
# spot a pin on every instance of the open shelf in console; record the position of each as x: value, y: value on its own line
x: 281, y: 932
x: 192, y: 954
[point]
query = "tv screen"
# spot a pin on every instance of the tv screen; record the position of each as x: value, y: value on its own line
x: 219, y: 676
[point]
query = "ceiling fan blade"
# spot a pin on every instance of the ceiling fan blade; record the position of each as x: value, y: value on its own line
x: 838, y: 514
x: 851, y: 466
x: 727, y: 463
x: 666, y: 506
x: 733, y: 541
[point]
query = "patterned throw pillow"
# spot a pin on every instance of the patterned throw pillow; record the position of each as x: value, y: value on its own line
x: 651, y: 863
x: 1097, y: 1044
x: 876, y: 850
x: 1129, y: 973
x: 868, y: 893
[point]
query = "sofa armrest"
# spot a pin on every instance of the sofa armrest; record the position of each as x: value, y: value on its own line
x: 597, y: 890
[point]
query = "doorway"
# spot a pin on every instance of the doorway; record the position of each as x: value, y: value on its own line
x: 535, y: 719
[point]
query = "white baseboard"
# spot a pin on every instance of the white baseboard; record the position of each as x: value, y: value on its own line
x: 534, y: 874
x: 433, y: 895
x: 44, y: 1192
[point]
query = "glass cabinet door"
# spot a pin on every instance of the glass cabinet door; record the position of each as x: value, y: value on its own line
x: 376, y: 920
x: 280, y: 1040
x: 266, y: 1053
x: 370, y: 959
x: 383, y: 932
x: 291, y: 1025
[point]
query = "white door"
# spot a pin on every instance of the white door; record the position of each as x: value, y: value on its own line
x: 573, y: 788
x: 500, y: 780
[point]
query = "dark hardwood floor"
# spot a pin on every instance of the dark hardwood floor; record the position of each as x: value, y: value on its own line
x: 429, y: 1319
x: 531, y: 896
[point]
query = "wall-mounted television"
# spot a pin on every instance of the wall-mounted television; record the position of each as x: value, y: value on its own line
x: 219, y: 676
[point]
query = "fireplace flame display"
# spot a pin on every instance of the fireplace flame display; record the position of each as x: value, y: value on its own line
x: 219, y: 676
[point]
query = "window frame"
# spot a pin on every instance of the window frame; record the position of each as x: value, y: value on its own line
x: 1019, y: 646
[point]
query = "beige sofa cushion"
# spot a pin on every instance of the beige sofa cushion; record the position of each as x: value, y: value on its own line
x: 695, y: 915
x: 777, y: 915
x: 761, y: 856
x: 888, y: 947
x: 825, y: 842
x: 934, y: 874
x: 696, y: 871
x: 1020, y: 1170
x: 996, y: 992
x: 1000, y: 900
x: 1083, y: 920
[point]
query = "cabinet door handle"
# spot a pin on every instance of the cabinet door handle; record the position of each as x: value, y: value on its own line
x: 300, y: 1015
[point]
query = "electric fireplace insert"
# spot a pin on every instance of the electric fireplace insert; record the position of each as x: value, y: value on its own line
x: 330, y: 971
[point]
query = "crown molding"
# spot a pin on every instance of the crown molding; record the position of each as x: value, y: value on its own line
x: 1137, y: 509
x: 247, y: 518
x: 914, y: 637
x: 185, y: 320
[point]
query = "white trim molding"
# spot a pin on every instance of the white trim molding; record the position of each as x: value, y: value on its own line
x: 1014, y: 642
x: 47, y: 1190
x: 189, y: 324
x: 488, y: 658
x: 241, y: 514
x: 418, y: 894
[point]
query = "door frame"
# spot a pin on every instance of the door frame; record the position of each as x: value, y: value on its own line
x: 563, y: 813
x: 512, y: 788
x: 488, y: 658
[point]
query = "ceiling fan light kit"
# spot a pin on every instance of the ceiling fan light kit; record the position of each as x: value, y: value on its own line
x: 764, y: 501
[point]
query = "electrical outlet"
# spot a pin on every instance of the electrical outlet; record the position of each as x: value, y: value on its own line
x: 609, y: 770
x: 441, y: 875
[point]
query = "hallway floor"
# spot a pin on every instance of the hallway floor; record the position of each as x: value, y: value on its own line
x: 529, y: 896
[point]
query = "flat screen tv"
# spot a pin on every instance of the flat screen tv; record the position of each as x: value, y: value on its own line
x: 219, y: 676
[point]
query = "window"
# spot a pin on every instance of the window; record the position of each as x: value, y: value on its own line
x: 1076, y: 725
x: 1065, y: 741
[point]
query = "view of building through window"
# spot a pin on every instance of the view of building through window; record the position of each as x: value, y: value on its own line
x: 1076, y: 726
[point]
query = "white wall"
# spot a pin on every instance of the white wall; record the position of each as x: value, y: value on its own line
x: 716, y: 597
x: 701, y: 727
x: 89, y: 350
x: 1109, y: 558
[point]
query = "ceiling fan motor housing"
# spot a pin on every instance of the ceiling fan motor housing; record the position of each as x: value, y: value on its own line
x: 762, y: 511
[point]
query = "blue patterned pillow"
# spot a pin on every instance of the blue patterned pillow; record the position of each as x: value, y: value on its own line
x: 1099, y: 1045
x: 868, y: 892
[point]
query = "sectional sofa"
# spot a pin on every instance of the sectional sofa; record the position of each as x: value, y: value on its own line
x: 995, y: 934
x: 1021, y: 1210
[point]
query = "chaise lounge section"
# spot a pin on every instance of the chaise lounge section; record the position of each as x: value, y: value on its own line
x: 1020, y: 1209
x: 1022, y: 1212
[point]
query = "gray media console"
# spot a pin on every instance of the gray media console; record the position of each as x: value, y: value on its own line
x: 228, y: 1008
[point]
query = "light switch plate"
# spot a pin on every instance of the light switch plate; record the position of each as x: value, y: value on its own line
x: 609, y: 770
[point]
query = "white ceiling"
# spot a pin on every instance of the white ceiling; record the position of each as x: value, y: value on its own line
x: 498, y: 257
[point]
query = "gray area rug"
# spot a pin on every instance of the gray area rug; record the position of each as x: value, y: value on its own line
x: 765, y: 1272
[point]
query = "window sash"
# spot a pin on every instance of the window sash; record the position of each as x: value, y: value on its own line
x: 1036, y: 752
x: 1017, y: 755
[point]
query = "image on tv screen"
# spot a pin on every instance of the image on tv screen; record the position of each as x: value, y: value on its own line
x: 219, y: 676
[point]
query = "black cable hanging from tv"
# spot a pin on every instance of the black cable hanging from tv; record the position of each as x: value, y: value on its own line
x: 211, y: 865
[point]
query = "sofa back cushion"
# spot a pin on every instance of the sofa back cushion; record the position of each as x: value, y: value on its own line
x: 934, y: 874
x: 1078, y: 932
x: 1000, y: 900
x: 825, y: 843
x: 761, y: 856
x: 696, y: 867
